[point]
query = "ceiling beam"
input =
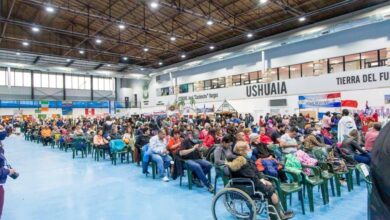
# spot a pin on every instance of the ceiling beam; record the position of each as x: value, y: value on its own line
x: 98, y: 66
x: 36, y: 60
x: 8, y: 16
x: 69, y: 63
x: 109, y: 20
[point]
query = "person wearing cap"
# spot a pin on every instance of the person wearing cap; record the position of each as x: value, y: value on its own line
x: 242, y: 167
x: 345, y: 126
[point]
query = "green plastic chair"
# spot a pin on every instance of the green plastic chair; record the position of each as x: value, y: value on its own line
x: 76, y: 142
x: 364, y: 171
x: 310, y: 181
x: 189, y: 176
x: 286, y: 189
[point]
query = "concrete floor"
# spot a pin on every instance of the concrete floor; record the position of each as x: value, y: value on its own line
x: 53, y: 186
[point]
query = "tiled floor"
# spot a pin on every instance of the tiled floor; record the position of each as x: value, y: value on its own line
x: 53, y: 186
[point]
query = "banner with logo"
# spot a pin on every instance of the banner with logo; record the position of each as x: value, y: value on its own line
x: 67, y: 108
x: 89, y: 111
x: 330, y: 100
x: 44, y: 106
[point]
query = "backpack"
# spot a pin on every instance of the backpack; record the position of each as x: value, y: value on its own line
x: 117, y: 145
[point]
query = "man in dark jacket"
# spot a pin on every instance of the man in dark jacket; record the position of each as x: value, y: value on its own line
x: 189, y: 151
x: 380, y: 174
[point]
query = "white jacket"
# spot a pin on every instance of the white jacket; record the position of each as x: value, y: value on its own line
x: 346, y: 125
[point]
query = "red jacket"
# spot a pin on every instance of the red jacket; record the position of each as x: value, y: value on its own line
x: 208, y: 141
x: 265, y: 139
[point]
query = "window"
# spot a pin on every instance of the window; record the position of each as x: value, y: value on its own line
x: 245, y: 78
x: 107, y: 84
x: 261, y: 76
x: 336, y: 65
x: 2, y: 77
x: 27, y: 78
x: 308, y: 69
x: 60, y: 81
x: 11, y: 80
x: 214, y: 83
x: 75, y: 82
x: 221, y: 82
x: 370, y: 59
x: 283, y: 73
x: 18, y: 78
x: 183, y: 88
x: 165, y: 91
x: 253, y: 77
x: 383, y: 57
x: 52, y: 81
x: 37, y: 80
x: 207, y: 84
x: 272, y: 75
x: 87, y: 82
x: 236, y: 80
x: 101, y: 84
x: 295, y: 71
x: 352, y: 62
x: 45, y: 80
x: 68, y: 81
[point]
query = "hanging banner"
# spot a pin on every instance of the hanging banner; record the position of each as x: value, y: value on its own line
x: 44, y: 106
x: 89, y: 111
x: 330, y: 100
x: 349, y: 103
x: 67, y: 108
x: 387, y: 99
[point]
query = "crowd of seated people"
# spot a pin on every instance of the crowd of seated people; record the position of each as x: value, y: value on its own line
x: 228, y: 139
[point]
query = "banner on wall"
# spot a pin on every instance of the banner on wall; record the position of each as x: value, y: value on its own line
x: 67, y: 108
x: 387, y: 99
x: 44, y: 106
x: 330, y: 100
x: 89, y: 111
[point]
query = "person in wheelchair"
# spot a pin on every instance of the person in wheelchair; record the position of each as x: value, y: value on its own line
x: 241, y: 166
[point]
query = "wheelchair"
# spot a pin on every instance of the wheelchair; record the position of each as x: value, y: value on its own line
x: 240, y: 200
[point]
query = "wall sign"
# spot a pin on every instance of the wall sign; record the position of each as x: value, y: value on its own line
x: 372, y: 78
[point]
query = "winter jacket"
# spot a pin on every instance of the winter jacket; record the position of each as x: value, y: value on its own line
x: 350, y: 147
x: 141, y: 140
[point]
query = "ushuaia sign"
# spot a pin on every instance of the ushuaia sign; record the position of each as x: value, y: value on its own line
x: 266, y: 89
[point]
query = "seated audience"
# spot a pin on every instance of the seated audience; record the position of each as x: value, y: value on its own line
x: 174, y: 142
x: 100, y: 142
x: 288, y: 143
x: 190, y: 152
x: 160, y: 153
x: 371, y: 136
x: 351, y: 148
x: 223, y: 151
x: 46, y: 135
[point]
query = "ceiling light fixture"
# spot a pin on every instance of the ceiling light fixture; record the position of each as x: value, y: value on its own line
x: 49, y: 9
x: 249, y: 35
x: 302, y: 19
x: 81, y: 51
x: 183, y: 56
x: 35, y: 29
x: 25, y: 43
x: 172, y: 38
x: 154, y: 5
x: 146, y: 49
x: 212, y: 47
x: 124, y: 58
x: 121, y: 26
x: 67, y: 60
x: 209, y: 22
x: 98, y: 41
x: 142, y: 69
x: 160, y: 63
x: 263, y: 1
x: 17, y: 53
x: 108, y: 65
